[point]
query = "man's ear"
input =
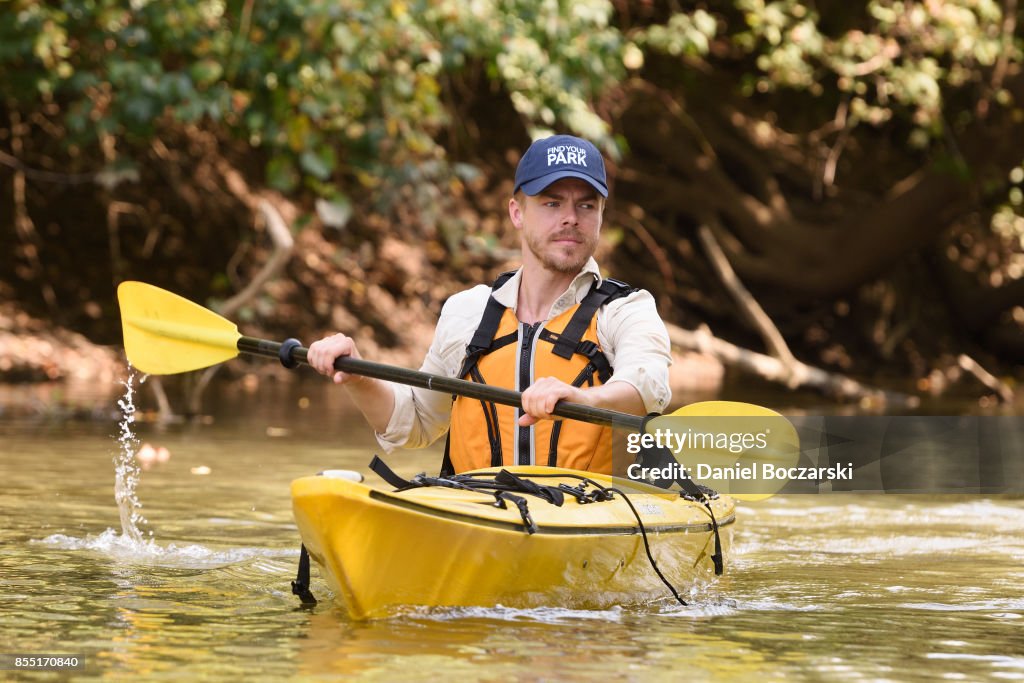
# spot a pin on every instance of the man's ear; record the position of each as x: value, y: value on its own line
x: 515, y: 212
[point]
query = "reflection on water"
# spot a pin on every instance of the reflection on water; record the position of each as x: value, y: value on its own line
x: 838, y: 587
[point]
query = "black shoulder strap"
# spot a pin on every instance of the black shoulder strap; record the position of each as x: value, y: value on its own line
x: 609, y: 291
x: 488, y: 327
x: 481, y: 343
x: 493, y: 313
x: 447, y: 468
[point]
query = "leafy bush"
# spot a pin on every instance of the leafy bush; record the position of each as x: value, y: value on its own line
x: 328, y: 89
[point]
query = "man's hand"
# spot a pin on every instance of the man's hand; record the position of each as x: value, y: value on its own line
x: 375, y: 399
x: 324, y: 352
x: 540, y: 398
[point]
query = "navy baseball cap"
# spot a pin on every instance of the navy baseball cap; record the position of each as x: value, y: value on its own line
x: 557, y: 157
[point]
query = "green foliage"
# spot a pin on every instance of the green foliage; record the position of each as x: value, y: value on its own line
x: 927, y: 63
x: 348, y: 96
x: 1008, y: 224
x: 683, y: 34
x: 329, y: 89
x: 899, y: 58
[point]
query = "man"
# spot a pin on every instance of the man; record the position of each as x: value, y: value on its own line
x: 554, y: 330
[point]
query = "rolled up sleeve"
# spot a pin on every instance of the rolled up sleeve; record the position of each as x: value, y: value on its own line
x: 636, y: 343
x: 422, y: 416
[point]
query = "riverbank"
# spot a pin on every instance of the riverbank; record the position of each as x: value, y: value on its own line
x: 33, y: 350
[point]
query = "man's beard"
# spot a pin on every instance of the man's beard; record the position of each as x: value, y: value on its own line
x: 559, y: 262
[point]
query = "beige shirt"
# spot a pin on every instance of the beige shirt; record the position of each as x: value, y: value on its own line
x: 629, y: 329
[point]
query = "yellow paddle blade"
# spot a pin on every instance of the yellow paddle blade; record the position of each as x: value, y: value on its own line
x: 740, y: 449
x: 165, y: 334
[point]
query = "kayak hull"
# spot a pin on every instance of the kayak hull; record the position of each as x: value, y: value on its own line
x: 382, y: 551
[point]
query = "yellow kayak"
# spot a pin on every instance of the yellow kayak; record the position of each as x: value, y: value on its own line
x: 451, y: 544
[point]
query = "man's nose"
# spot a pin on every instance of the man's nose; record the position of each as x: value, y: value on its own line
x: 569, y: 217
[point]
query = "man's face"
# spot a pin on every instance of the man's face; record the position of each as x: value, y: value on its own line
x: 560, y: 225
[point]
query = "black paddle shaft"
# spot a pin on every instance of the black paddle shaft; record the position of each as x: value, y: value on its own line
x: 449, y: 385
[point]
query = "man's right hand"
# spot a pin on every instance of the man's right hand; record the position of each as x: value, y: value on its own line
x: 375, y: 399
x: 323, y: 353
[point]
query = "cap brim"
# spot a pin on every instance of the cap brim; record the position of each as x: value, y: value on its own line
x: 537, y: 185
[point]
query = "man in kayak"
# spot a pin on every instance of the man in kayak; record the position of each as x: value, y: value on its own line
x: 554, y: 329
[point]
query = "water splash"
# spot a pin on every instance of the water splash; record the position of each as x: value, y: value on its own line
x: 126, y: 466
x: 191, y: 556
x: 546, y: 615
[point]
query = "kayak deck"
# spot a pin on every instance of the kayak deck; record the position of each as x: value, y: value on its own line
x: 444, y: 547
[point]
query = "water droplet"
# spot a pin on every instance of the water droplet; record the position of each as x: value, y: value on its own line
x: 126, y: 467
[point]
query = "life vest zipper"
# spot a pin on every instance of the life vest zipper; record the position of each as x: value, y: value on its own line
x: 524, y: 435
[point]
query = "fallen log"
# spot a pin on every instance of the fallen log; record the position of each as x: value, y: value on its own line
x: 792, y: 373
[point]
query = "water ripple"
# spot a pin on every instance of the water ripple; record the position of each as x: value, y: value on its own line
x: 125, y: 549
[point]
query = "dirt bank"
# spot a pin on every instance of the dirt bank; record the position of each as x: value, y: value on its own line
x: 34, y: 350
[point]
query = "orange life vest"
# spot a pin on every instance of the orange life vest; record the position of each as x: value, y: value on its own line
x: 509, y: 354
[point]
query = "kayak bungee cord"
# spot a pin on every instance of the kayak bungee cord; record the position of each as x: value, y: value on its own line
x: 692, y: 491
x: 505, y: 481
x: 647, y: 547
x: 501, y: 486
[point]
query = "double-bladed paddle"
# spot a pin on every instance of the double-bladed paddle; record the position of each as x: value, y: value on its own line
x: 166, y: 334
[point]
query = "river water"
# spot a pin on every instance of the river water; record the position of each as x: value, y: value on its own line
x: 839, y: 587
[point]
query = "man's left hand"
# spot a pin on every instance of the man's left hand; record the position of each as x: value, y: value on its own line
x: 540, y: 399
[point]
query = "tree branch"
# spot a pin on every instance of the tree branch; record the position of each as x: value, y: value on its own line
x: 1001, y: 389
x: 751, y: 310
x: 283, y: 246
x: 774, y: 370
x: 283, y: 243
